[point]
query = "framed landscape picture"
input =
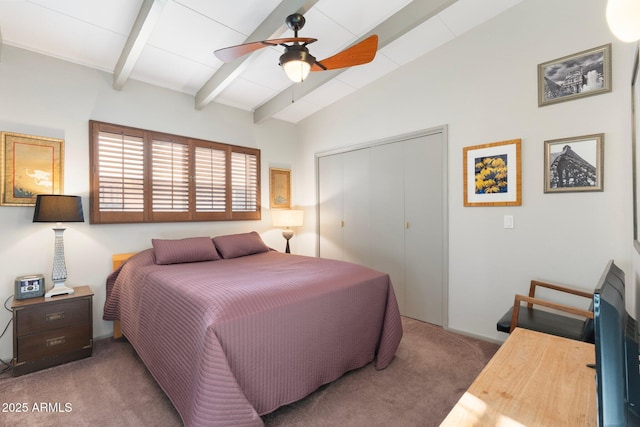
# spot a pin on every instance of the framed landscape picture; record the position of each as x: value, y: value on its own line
x: 574, y: 76
x: 31, y: 165
x: 492, y: 174
x: 280, y: 188
x: 574, y: 164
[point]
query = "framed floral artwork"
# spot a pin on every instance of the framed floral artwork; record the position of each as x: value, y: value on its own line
x: 492, y: 174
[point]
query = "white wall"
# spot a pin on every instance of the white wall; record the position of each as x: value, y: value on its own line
x: 43, y: 96
x: 483, y: 85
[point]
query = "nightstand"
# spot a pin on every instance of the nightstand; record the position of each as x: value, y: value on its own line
x: 52, y: 331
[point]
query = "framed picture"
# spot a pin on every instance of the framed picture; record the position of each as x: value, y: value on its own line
x: 280, y: 188
x: 492, y: 174
x: 31, y: 165
x: 635, y: 155
x: 573, y: 164
x: 574, y: 76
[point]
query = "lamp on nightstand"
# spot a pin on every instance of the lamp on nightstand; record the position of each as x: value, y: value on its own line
x: 58, y: 208
x: 287, y: 218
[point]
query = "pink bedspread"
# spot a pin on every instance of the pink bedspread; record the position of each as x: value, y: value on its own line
x: 231, y: 340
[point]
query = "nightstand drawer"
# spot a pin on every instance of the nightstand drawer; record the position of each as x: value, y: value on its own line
x: 46, y: 317
x: 51, y: 343
x: 51, y: 331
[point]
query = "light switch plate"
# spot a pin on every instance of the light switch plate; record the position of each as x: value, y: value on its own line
x: 508, y: 221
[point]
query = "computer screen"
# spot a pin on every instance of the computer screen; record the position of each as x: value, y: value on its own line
x: 616, y: 345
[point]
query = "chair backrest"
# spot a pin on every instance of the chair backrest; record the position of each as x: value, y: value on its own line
x: 588, y: 332
x: 614, y: 277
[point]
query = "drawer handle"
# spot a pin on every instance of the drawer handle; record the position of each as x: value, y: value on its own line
x: 52, y: 317
x: 56, y: 341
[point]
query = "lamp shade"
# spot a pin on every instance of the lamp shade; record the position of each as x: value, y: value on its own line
x: 287, y: 218
x: 297, y: 62
x: 623, y: 17
x: 296, y: 70
x: 58, y: 208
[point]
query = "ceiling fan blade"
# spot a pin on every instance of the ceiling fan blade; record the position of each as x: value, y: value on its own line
x: 228, y: 54
x: 357, y: 54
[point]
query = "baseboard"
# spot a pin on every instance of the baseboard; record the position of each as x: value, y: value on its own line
x: 478, y: 337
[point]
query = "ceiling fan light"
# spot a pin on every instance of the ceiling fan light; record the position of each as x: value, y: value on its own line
x: 296, y: 70
x: 297, y: 62
x: 623, y: 17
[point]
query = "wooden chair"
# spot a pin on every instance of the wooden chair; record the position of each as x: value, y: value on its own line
x: 553, y: 319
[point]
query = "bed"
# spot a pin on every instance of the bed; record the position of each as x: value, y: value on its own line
x: 232, y: 330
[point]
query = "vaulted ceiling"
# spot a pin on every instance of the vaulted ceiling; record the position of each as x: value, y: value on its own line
x: 170, y: 43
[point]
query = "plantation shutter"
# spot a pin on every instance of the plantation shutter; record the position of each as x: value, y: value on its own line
x: 210, y: 168
x: 144, y: 176
x: 244, y: 182
x: 119, y: 167
x: 170, y: 176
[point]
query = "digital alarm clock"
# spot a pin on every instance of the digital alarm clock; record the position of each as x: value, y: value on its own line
x: 30, y: 286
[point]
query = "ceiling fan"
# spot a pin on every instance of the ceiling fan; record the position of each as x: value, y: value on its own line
x: 296, y: 60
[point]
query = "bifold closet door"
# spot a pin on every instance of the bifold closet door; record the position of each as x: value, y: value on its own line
x: 382, y: 206
x: 330, y: 206
x: 343, y: 192
x: 424, y: 232
x: 356, y: 184
x: 387, y: 215
x: 407, y: 224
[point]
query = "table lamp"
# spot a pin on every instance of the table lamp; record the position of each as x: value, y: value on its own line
x: 58, y: 208
x: 287, y: 218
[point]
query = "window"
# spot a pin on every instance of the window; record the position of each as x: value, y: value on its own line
x: 145, y: 176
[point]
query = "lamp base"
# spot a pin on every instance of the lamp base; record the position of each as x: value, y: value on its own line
x: 59, y: 288
x: 287, y: 234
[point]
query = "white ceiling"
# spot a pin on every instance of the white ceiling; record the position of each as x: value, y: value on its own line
x: 170, y: 43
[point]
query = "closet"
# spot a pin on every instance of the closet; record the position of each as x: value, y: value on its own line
x: 383, y: 205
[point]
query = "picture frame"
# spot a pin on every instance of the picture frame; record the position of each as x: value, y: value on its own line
x: 575, y: 76
x: 635, y: 155
x: 492, y: 174
x: 574, y: 164
x: 31, y: 165
x: 279, y: 188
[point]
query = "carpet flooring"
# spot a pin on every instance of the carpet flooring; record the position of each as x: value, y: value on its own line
x: 430, y: 372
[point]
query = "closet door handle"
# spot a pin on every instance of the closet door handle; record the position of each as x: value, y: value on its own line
x: 406, y: 225
x: 341, y: 223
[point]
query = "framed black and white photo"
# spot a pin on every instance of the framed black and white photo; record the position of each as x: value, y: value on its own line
x: 574, y: 164
x: 574, y: 76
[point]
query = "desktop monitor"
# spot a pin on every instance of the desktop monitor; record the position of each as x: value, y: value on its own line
x: 616, y: 345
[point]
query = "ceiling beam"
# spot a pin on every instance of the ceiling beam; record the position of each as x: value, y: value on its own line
x: 403, y: 21
x: 273, y: 26
x: 148, y: 17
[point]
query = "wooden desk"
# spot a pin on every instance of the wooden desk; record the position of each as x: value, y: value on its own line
x: 534, y: 379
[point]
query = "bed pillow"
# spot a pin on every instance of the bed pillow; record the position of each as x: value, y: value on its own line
x: 191, y: 249
x: 237, y: 245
